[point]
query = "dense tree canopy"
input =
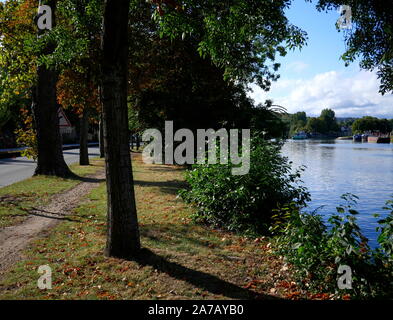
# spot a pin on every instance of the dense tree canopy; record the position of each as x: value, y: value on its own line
x: 242, y: 36
x: 17, y: 60
x: 372, y: 124
x: 169, y: 80
x: 297, y: 122
x: 326, y: 123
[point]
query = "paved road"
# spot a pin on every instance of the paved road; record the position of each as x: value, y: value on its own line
x: 17, y: 169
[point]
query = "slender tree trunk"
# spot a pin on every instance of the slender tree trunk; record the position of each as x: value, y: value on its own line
x: 101, y: 137
x: 83, y: 138
x: 50, y: 160
x: 123, y: 232
x: 138, y: 141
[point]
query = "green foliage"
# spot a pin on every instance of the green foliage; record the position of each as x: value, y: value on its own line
x: 246, y: 202
x: 5, y: 112
x: 17, y: 62
x: 5, y: 115
x: 242, y: 36
x: 385, y: 228
x: 303, y: 242
x: 267, y: 118
x: 328, y: 118
x: 134, y: 124
x: 317, y: 249
x: 297, y: 122
x: 26, y: 135
x: 368, y: 123
x: 171, y: 81
x: 347, y: 122
x: 75, y: 36
x: 326, y: 123
x: 314, y: 125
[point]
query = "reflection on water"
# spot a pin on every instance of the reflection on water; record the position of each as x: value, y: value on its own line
x: 335, y: 167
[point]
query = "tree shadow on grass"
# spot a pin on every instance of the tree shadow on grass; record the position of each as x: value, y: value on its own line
x: 202, y: 280
x: 168, y: 168
x: 73, y: 176
x: 86, y: 179
x: 179, y: 236
x: 51, y: 215
x: 38, y: 212
x: 171, y: 187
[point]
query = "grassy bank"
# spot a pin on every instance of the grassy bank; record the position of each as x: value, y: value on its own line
x: 180, y: 260
x: 18, y: 198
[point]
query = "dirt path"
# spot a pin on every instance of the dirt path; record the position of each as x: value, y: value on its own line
x: 14, y: 239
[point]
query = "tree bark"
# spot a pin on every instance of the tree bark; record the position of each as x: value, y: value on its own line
x: 138, y: 141
x: 83, y: 138
x: 123, y: 232
x: 50, y: 160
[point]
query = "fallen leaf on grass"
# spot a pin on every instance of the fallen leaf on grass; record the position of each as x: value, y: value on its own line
x: 320, y: 296
x: 253, y: 283
x: 287, y: 285
x: 293, y: 295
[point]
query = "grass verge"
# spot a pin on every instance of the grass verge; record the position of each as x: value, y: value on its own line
x: 17, y: 199
x: 180, y: 260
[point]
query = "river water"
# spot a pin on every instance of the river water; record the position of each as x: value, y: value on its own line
x: 335, y: 167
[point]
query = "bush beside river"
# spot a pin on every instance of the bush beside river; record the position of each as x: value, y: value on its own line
x: 271, y: 201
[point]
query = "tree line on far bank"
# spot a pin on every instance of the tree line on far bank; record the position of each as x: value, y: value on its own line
x: 372, y: 124
x: 328, y: 124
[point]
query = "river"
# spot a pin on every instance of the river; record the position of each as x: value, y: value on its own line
x: 335, y: 167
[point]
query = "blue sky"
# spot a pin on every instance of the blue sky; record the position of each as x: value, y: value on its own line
x: 324, y: 45
x: 315, y: 78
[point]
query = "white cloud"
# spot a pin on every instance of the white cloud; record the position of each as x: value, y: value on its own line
x: 347, y: 95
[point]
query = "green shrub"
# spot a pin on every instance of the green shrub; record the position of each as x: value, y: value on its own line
x: 302, y: 240
x: 244, y: 202
x: 385, y: 238
x: 316, y: 250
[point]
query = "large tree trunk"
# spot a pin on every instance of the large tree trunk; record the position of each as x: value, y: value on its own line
x: 50, y: 160
x: 83, y: 137
x: 123, y: 232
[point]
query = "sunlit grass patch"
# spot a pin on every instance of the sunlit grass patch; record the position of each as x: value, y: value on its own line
x: 18, y: 198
